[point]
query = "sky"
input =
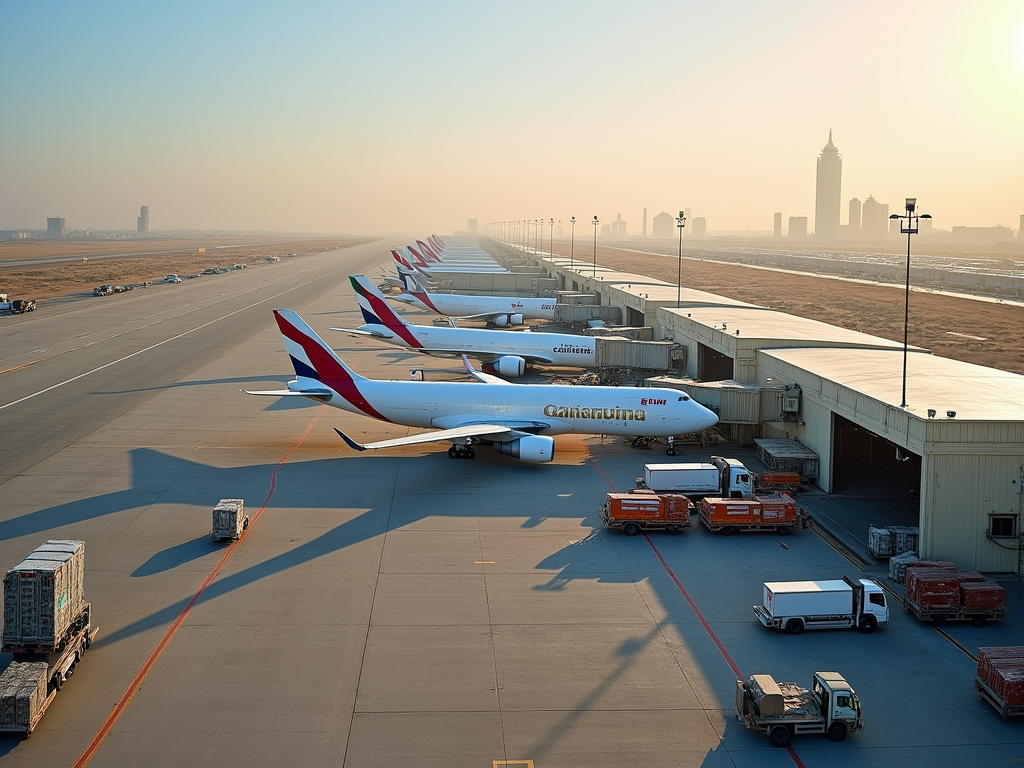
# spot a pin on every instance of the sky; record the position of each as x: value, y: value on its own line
x: 368, y: 118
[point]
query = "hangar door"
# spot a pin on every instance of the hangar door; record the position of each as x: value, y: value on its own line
x: 865, y: 464
x: 712, y: 365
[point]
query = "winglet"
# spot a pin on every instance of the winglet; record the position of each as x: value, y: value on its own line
x: 351, y: 443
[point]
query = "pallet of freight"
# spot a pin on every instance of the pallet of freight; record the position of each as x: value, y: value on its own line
x: 933, y: 587
x: 23, y: 696
x: 766, y: 693
x: 1000, y: 679
x: 898, y: 566
x: 44, y: 595
x: 982, y: 596
x: 228, y: 520
x: 892, y: 540
x: 880, y: 541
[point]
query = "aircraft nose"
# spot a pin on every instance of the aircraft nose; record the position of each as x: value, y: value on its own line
x: 703, y: 417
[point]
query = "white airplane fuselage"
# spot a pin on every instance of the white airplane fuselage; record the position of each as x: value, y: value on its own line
x: 457, y: 305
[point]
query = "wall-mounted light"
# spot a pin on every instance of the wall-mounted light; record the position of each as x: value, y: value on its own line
x: 931, y: 413
x: 951, y: 414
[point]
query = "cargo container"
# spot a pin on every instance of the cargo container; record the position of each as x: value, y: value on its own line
x: 228, y: 520
x: 799, y: 605
x: 24, y: 696
x: 720, y: 477
x: 44, y: 596
x: 777, y: 512
x: 942, y: 594
x: 1000, y: 679
x: 777, y: 481
x: 782, y: 710
x: 635, y: 512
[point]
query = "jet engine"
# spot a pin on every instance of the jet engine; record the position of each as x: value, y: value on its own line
x: 535, y: 448
x: 509, y: 366
x: 503, y: 321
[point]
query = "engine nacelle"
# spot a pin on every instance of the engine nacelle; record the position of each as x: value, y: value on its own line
x: 536, y: 448
x: 510, y: 366
x: 503, y: 321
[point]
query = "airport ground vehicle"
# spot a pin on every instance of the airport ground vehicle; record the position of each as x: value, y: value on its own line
x: 103, y: 290
x: 209, y: 271
x: 47, y: 628
x: 783, y: 710
x: 944, y: 594
x: 228, y: 520
x: 727, y: 478
x: 21, y: 306
x: 635, y: 512
x: 171, y: 279
x: 1000, y: 679
x: 775, y: 512
x: 841, y: 603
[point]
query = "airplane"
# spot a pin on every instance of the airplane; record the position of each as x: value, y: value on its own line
x: 412, y: 261
x: 501, y: 311
x: 519, y: 420
x: 504, y: 352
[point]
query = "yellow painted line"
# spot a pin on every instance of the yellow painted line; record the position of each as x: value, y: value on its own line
x: 496, y: 763
x: 483, y: 562
x: 19, y: 367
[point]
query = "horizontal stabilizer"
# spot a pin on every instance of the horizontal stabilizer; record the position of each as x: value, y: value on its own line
x: 318, y: 392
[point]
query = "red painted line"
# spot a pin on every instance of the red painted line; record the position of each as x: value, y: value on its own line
x: 126, y: 698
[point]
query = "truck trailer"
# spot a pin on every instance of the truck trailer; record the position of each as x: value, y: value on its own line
x: 775, y: 512
x: 722, y: 477
x: 783, y: 710
x: 940, y: 594
x: 635, y: 512
x: 798, y: 605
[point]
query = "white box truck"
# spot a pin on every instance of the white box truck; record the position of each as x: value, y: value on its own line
x: 720, y: 477
x: 798, y: 605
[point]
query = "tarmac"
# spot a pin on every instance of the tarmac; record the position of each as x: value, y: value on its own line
x: 401, y: 607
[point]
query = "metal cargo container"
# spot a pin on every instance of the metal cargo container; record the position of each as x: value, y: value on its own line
x: 228, y: 519
x: 624, y: 353
x: 23, y: 696
x: 788, y: 456
x: 44, y: 595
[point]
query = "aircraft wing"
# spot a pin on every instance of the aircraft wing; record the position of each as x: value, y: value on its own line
x: 360, y: 332
x: 471, y: 430
x: 486, y: 378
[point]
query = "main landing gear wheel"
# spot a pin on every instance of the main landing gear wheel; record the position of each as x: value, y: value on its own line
x: 460, y: 452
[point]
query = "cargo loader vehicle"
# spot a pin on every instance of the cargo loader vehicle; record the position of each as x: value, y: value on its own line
x: 784, y: 710
x: 843, y: 603
x: 635, y: 512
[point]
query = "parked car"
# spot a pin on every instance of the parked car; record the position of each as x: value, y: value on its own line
x: 20, y: 306
x: 122, y: 288
x: 240, y: 266
x: 210, y: 271
x: 172, y: 279
x: 222, y: 270
x: 103, y: 290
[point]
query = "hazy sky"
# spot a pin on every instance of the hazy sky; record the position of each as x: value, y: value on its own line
x: 382, y: 116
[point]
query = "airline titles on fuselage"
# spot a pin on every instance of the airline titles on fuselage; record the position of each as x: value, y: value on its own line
x: 606, y: 414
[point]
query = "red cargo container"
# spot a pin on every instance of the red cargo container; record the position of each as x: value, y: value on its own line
x: 633, y: 512
x: 776, y: 512
x: 940, y: 594
x: 933, y: 587
x: 778, y: 480
x: 982, y: 596
x: 1000, y: 679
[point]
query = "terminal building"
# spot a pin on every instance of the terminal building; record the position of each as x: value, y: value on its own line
x: 956, y: 452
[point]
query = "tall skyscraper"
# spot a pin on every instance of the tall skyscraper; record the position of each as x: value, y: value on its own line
x: 699, y: 228
x: 854, y: 228
x: 777, y: 226
x: 827, y: 197
x: 798, y: 226
x: 1020, y: 230
x: 471, y: 226
x: 56, y: 228
x: 645, y: 221
x: 142, y: 222
x: 874, y: 219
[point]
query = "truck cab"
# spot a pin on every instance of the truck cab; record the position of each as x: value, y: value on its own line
x: 839, y: 703
x: 737, y: 480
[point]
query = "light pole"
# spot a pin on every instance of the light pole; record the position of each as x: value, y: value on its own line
x: 596, y: 221
x: 909, y: 223
x: 572, y: 242
x: 551, y: 239
x: 680, y: 222
x: 537, y: 224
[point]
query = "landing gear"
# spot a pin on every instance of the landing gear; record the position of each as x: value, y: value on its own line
x: 461, y: 452
x: 671, y: 450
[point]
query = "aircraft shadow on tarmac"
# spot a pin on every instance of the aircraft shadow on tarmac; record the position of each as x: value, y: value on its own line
x: 197, y: 383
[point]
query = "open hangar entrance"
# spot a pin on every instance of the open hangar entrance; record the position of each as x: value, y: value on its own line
x: 866, y: 464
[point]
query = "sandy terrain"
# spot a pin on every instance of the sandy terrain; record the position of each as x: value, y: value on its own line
x: 45, y: 281
x: 878, y: 310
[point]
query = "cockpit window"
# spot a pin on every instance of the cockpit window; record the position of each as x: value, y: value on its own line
x: 684, y: 397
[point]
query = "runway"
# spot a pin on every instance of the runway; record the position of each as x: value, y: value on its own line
x: 399, y: 607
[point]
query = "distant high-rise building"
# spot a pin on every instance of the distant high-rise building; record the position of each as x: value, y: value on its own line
x: 142, y: 222
x: 854, y: 228
x: 471, y: 226
x: 645, y: 221
x: 56, y: 228
x: 663, y: 227
x: 699, y: 228
x: 1020, y: 230
x: 874, y: 219
x: 606, y: 230
x: 777, y: 226
x: 798, y: 226
x: 827, y: 195
x: 925, y: 227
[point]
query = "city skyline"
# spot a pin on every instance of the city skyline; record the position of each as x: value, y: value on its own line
x: 419, y: 118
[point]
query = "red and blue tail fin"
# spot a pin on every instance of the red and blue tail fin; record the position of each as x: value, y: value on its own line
x: 376, y: 310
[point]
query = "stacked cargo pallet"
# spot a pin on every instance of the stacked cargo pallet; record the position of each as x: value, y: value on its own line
x: 23, y: 696
x: 892, y: 540
x: 44, y: 595
x: 933, y: 587
x: 982, y: 596
x: 1001, y: 675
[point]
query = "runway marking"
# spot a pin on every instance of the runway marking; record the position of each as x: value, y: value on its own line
x: 19, y: 367
x: 700, y: 616
x: 496, y: 763
x: 483, y: 562
x: 150, y: 347
x: 129, y: 694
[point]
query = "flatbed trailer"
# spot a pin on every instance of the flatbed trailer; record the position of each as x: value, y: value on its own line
x: 938, y: 614
x: 635, y: 512
x: 63, y: 658
x: 1002, y: 706
x: 777, y: 513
